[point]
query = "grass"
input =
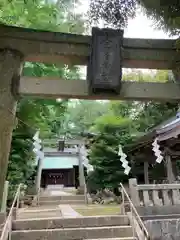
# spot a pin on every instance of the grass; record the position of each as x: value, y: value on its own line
x: 98, y: 210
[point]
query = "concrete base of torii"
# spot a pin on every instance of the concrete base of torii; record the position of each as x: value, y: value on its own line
x: 80, y: 190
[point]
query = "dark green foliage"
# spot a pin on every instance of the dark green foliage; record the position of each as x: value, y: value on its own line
x: 32, y: 114
x: 166, y: 13
x: 154, y: 113
x: 21, y: 164
x: 117, y: 12
x: 114, y: 12
x: 92, y: 182
x: 81, y: 115
x: 104, y: 152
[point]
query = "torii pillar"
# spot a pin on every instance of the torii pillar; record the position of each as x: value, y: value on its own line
x: 10, y: 71
x: 39, y: 175
x: 81, y: 171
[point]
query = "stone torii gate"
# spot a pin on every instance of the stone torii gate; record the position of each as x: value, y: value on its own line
x: 105, y: 53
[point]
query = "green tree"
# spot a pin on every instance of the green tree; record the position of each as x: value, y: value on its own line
x: 154, y: 113
x: 81, y: 115
x: 150, y: 76
x: 36, y: 113
x: 145, y: 115
x: 50, y: 15
x: 31, y: 115
x: 103, y: 155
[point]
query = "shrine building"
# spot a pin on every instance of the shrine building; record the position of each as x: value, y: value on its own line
x: 145, y: 165
x: 62, y: 166
x: 60, y: 170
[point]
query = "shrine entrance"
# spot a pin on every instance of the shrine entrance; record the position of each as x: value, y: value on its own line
x: 58, y: 178
x: 104, y: 53
x: 62, y: 177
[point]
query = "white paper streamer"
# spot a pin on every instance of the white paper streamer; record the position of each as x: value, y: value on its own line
x: 127, y: 170
x: 84, y: 154
x: 37, y: 147
x: 122, y: 159
x: 157, y: 151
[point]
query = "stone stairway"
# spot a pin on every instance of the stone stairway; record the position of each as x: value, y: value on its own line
x: 66, y: 199
x: 39, y: 212
x: 54, y: 218
x: 99, y: 227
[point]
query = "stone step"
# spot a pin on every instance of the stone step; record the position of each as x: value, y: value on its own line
x: 74, y: 233
x: 52, y: 223
x: 39, y: 214
x: 38, y: 208
x: 123, y: 238
x: 156, y: 217
x: 58, y: 202
x: 65, y: 197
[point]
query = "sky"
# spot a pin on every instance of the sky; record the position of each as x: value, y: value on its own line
x: 139, y: 27
x: 142, y: 27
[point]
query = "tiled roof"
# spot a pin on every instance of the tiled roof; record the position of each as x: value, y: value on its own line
x: 169, y: 126
x: 63, y: 162
x: 170, y: 129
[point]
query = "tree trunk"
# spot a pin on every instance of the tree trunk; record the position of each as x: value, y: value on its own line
x: 10, y: 68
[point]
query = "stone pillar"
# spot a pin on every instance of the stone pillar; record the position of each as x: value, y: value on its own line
x: 146, y: 172
x: 39, y: 174
x: 81, y: 171
x: 134, y: 193
x: 10, y: 71
x: 4, y: 198
x: 170, y: 174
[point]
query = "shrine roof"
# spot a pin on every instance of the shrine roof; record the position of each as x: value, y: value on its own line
x: 62, y: 162
x: 168, y: 129
x: 54, y: 150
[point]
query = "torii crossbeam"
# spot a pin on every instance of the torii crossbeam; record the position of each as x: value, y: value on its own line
x: 41, y: 46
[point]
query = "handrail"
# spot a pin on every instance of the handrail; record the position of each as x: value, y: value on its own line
x: 133, y: 209
x: 8, y: 223
x: 85, y: 193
